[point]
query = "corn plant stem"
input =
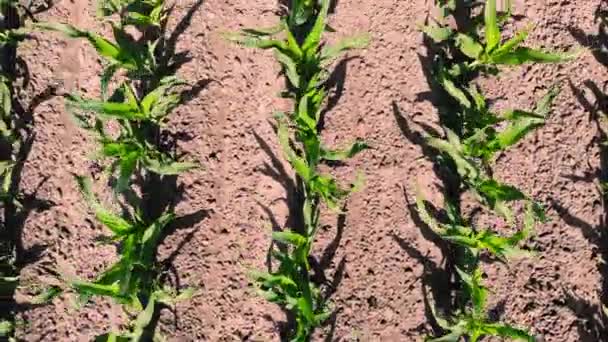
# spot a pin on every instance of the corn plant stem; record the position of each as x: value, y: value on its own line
x: 311, y: 219
x: 311, y: 211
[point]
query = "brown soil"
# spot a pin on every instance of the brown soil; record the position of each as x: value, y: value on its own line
x: 382, y: 260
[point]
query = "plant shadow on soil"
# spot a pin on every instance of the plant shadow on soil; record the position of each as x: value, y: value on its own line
x: 17, y: 208
x: 276, y: 171
x: 167, y: 188
x: 593, y: 323
x: 592, y: 320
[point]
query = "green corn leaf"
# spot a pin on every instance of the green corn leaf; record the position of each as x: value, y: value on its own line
x: 522, y: 55
x: 186, y: 294
x: 304, y: 117
x: 159, y: 97
x: 115, y: 273
x: 5, y: 98
x: 468, y: 46
x: 87, y: 288
x: 47, y: 295
x: 255, y: 42
x: 68, y: 30
x: 117, y: 149
x: 464, y: 167
x: 270, y: 280
x: 108, y: 7
x: 130, y: 97
x: 492, y: 29
x: 290, y: 67
x: 270, y: 295
x: 170, y: 297
x: 313, y: 39
x: 116, y: 224
x: 520, y: 124
x: 263, y: 32
x: 6, y: 328
x: 437, y: 33
x: 495, y: 191
x: 111, y: 337
x: 11, y: 37
x: 142, y: 20
x: 289, y: 237
x: 164, y: 106
x: 167, y: 168
x: 506, y: 331
x: 338, y: 155
x: 476, y: 290
x: 424, y: 214
x: 462, y: 240
x: 127, y: 278
x: 502, y: 209
x: 496, y: 195
x: 293, y: 46
x: 127, y: 166
x: 152, y: 236
x: 451, y: 88
x: 299, y: 164
x: 301, y: 11
x: 143, y: 320
x: 328, y: 189
x: 454, y: 336
x: 328, y: 53
x: 320, y: 318
x: 103, y: 46
x: 306, y: 310
x: 512, y: 43
x: 116, y: 110
x: 6, y: 166
x: 504, y: 248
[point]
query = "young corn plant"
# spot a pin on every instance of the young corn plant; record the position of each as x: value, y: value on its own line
x: 139, y: 106
x: 305, y: 60
x: 134, y: 281
x: 474, y: 155
x: 463, y: 55
x: 474, y: 135
x: 16, y: 133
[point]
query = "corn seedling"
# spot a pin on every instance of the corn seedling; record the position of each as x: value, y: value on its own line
x: 139, y: 106
x: 304, y: 60
x: 474, y: 135
x: 16, y: 132
x: 133, y: 281
x: 464, y: 55
x: 473, y: 155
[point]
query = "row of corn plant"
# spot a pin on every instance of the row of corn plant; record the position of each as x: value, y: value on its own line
x: 297, y: 42
x: 474, y: 136
x: 138, y: 92
x: 16, y: 132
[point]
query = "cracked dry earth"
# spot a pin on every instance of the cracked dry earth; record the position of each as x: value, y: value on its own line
x: 381, y: 257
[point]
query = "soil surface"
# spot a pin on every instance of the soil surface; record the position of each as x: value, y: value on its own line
x: 375, y: 256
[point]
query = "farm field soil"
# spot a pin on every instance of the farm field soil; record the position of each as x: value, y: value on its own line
x: 375, y: 255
